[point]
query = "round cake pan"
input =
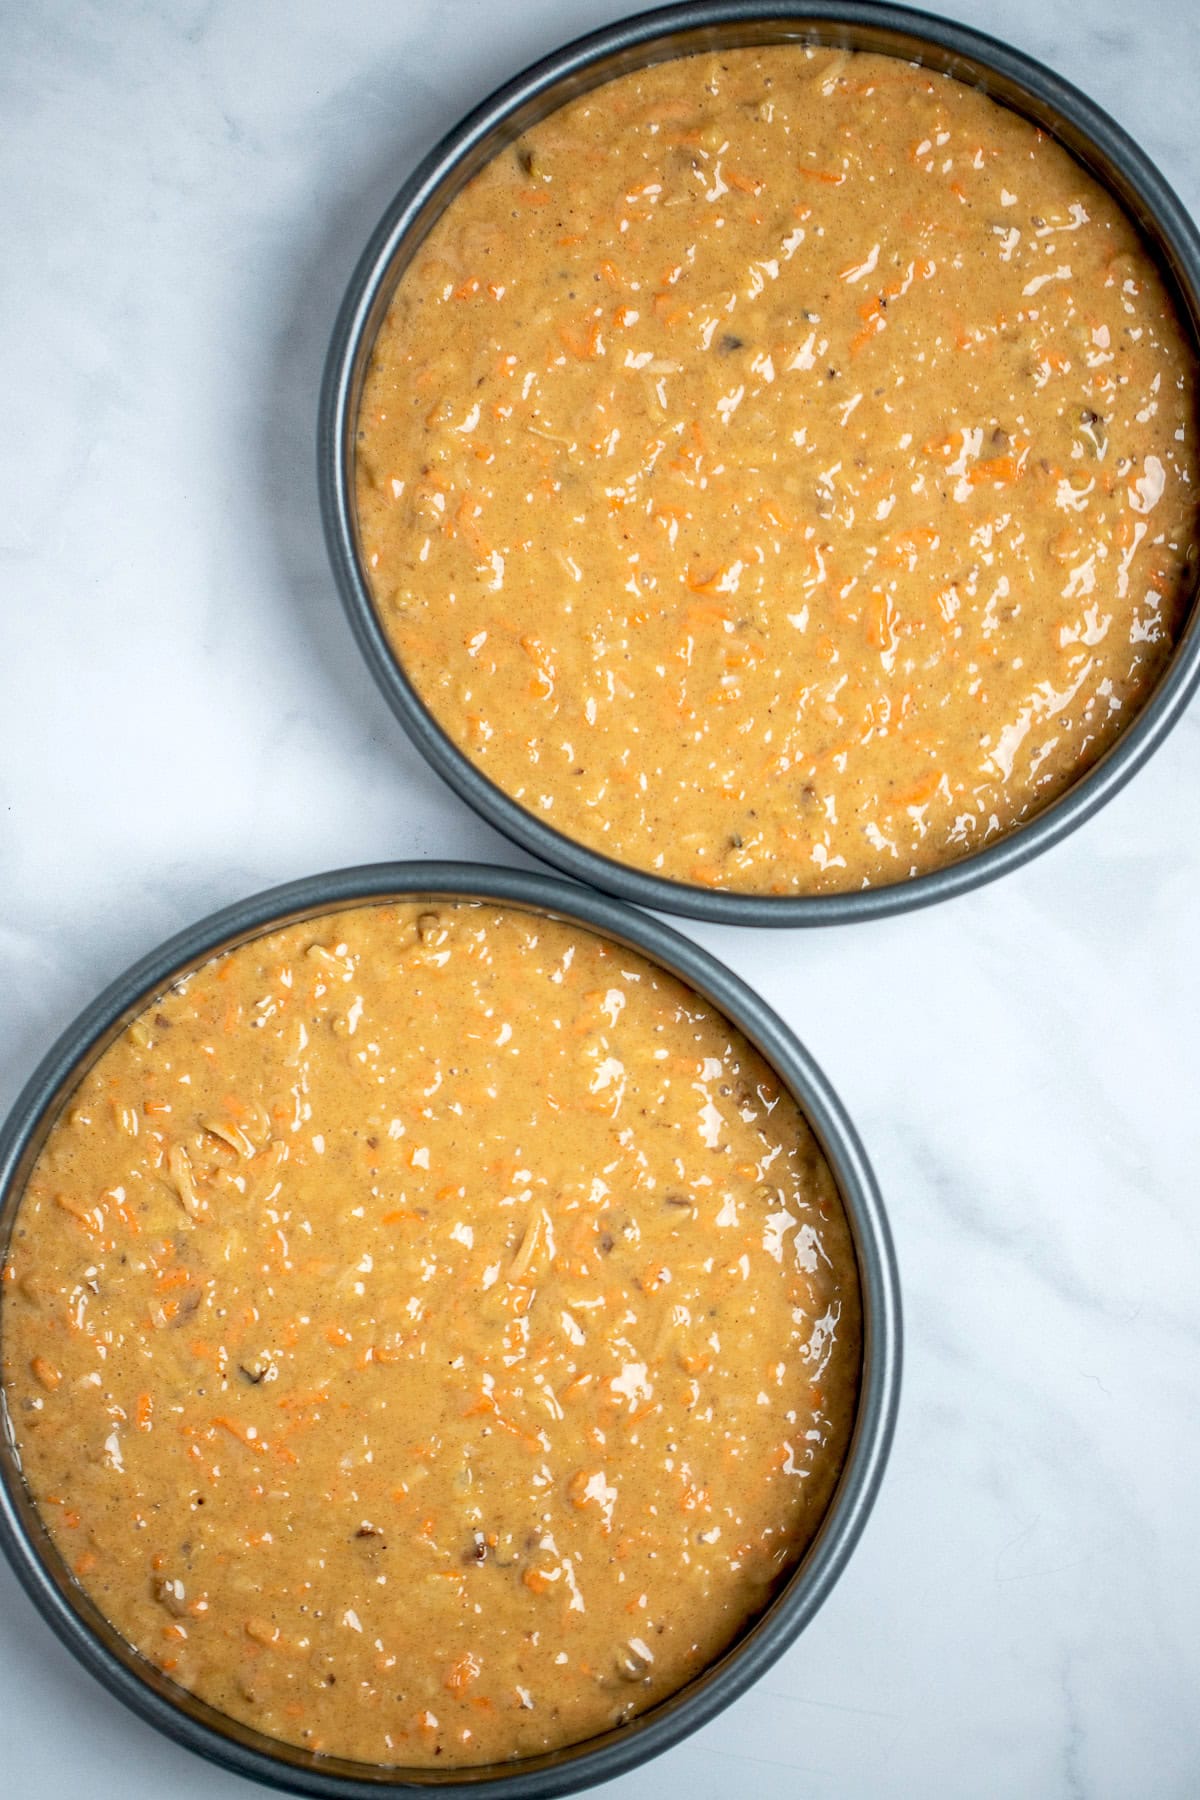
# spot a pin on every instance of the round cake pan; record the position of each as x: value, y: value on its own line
x: 234, y: 1746
x: 1015, y: 80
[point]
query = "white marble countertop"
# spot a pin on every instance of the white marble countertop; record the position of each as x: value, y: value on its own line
x: 183, y: 187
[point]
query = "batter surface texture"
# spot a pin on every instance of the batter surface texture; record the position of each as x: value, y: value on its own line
x: 777, y: 471
x: 431, y: 1333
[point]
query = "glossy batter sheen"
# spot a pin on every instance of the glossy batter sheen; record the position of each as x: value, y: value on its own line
x: 430, y: 1333
x: 778, y: 470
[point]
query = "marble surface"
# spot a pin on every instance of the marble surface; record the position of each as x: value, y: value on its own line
x: 183, y: 187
